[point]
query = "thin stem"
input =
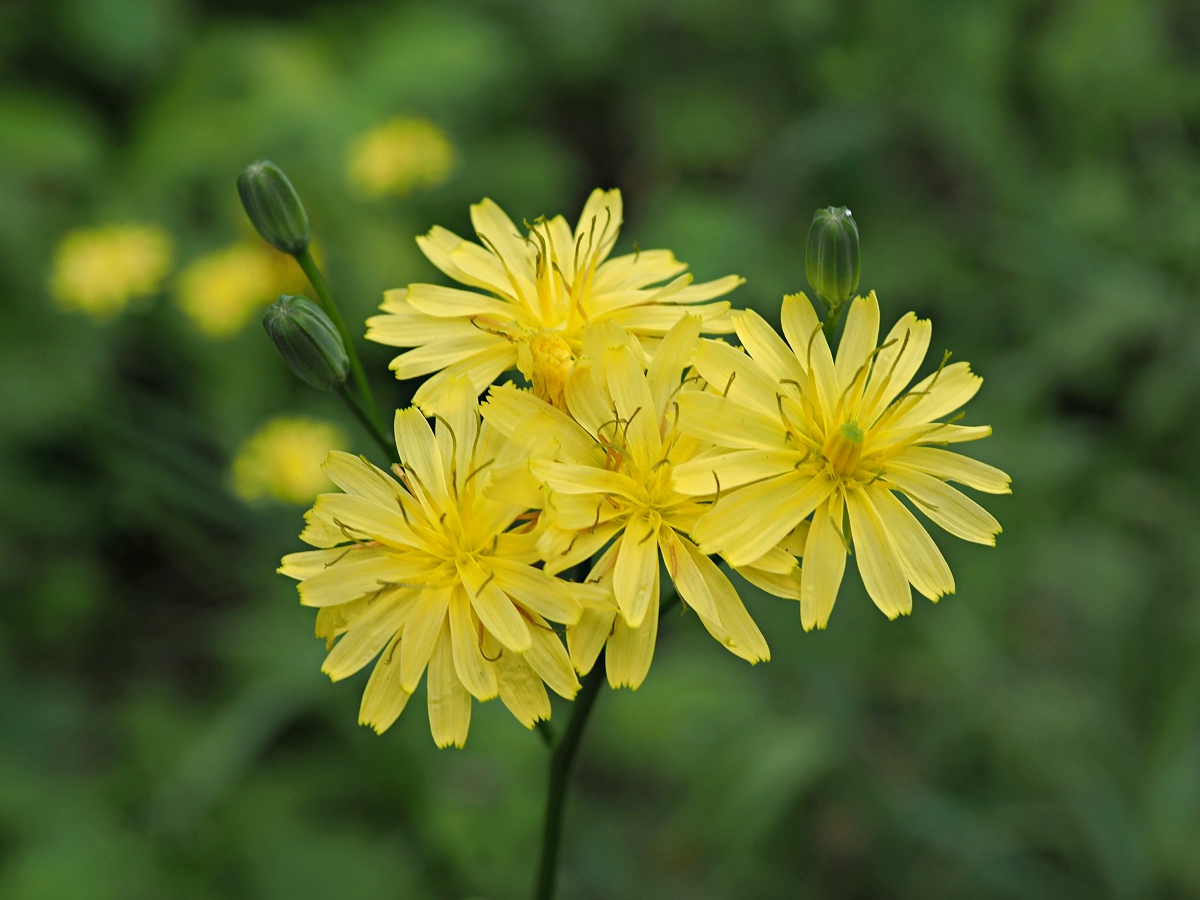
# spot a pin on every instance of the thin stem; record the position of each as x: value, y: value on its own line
x: 325, y: 299
x: 373, y: 427
x: 831, y: 322
x: 560, y: 768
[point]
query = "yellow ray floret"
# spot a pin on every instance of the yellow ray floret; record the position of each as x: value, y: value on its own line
x: 807, y: 435
x: 607, y: 481
x: 427, y: 573
x: 534, y: 294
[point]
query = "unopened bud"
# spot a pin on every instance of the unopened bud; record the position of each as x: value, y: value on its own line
x: 274, y: 207
x: 832, y: 262
x: 307, y: 341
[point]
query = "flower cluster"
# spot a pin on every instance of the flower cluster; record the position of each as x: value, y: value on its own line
x: 520, y: 537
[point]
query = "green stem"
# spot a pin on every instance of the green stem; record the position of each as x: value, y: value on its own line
x: 325, y: 299
x: 560, y: 768
x: 561, y: 760
x: 374, y: 428
x: 831, y: 322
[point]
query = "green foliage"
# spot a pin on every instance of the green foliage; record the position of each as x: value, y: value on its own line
x: 1027, y: 174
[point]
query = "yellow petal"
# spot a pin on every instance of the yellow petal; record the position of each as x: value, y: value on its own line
x: 824, y: 564
x: 408, y: 328
x: 923, y: 562
x: 786, y: 586
x: 766, y: 347
x: 635, y: 407
x: 587, y: 398
x: 421, y: 630
x: 456, y: 431
x: 376, y: 627
x: 384, y: 697
x: 658, y: 319
x: 858, y: 342
x: 586, y: 638
x: 878, y: 563
x: 357, y: 518
x: 750, y: 521
x: 636, y: 270
x: 440, y: 247
x: 446, y: 302
x: 571, y: 479
x: 956, y: 467
x: 419, y: 454
x: 358, y: 575
x: 439, y: 355
x: 497, y: 232
x: 735, y: 375
x: 954, y: 511
x: 728, y: 423
x: 745, y: 640
x: 521, y: 690
x: 732, y: 469
x: 449, y: 702
x: 690, y: 583
x: 895, y: 365
x: 474, y: 671
x: 493, y: 607
x: 536, y: 591
x: 482, y: 368
x: 354, y: 475
x: 671, y: 358
x: 803, y: 331
x: 308, y: 563
x: 636, y: 570
x: 548, y: 657
x: 631, y: 650
x: 599, y: 224
x: 941, y: 393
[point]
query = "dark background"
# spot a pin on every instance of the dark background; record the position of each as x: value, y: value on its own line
x: 1026, y: 173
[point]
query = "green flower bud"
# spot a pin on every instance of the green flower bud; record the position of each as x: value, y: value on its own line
x: 833, y: 260
x: 307, y: 341
x: 274, y: 207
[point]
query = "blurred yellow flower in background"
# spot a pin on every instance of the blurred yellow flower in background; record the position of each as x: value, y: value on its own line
x: 398, y: 156
x: 97, y: 271
x: 219, y: 291
x: 283, y: 460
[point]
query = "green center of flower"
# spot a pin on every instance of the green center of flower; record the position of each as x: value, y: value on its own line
x: 843, y: 448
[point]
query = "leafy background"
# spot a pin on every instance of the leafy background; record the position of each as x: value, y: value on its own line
x: 1026, y: 173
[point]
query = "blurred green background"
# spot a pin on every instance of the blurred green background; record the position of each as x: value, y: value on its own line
x: 1026, y: 173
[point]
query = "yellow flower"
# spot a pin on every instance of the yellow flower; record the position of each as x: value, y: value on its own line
x: 398, y: 156
x: 220, y: 290
x: 610, y: 480
x: 808, y: 435
x: 429, y: 572
x: 283, y: 460
x: 99, y: 270
x: 541, y: 290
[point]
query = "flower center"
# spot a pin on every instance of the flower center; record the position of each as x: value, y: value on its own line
x: 546, y: 359
x: 843, y: 448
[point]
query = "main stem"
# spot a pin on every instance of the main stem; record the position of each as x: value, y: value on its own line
x: 325, y: 299
x: 561, y: 760
x: 560, y: 770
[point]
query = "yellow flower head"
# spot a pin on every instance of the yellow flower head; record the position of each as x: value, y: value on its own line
x: 398, y: 156
x: 536, y: 293
x: 428, y: 572
x: 99, y: 270
x: 219, y: 291
x: 610, y: 480
x: 808, y: 435
x: 283, y: 460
